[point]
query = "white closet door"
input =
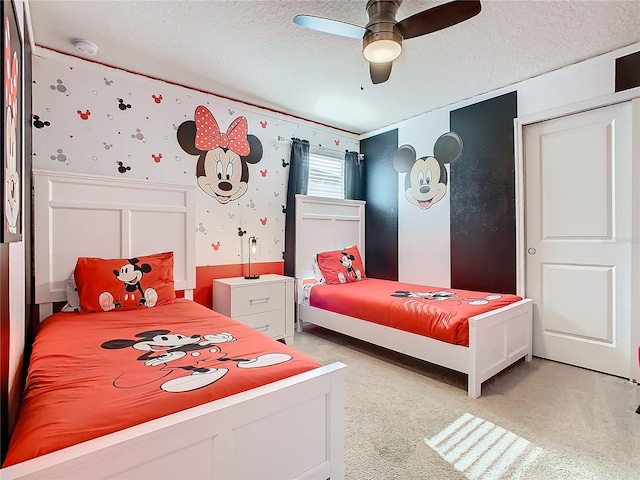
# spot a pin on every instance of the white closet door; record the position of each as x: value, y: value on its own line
x: 578, y: 188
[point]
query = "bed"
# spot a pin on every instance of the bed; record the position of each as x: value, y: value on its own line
x: 282, y: 425
x: 493, y: 338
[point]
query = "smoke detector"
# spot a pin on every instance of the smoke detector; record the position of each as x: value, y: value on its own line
x: 85, y: 46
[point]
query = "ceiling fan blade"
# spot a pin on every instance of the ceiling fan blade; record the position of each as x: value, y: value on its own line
x: 330, y: 26
x: 437, y: 18
x: 380, y: 72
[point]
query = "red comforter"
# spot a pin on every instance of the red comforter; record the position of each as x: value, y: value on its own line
x: 93, y: 374
x: 439, y: 313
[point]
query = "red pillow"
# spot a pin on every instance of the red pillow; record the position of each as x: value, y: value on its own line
x: 341, y: 266
x: 122, y: 283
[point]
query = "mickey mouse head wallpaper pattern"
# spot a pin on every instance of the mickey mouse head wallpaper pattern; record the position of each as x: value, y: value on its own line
x: 223, y: 158
x: 425, y: 182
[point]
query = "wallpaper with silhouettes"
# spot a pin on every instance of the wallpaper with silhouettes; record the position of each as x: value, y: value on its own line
x: 97, y: 120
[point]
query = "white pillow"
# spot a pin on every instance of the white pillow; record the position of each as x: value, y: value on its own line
x: 73, y: 299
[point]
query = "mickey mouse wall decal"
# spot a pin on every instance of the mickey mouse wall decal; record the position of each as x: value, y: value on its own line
x: 425, y: 182
x: 223, y: 158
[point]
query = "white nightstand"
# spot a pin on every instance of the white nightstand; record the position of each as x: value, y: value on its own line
x: 265, y: 304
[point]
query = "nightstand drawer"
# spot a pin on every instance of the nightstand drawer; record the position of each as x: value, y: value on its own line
x: 257, y: 299
x: 265, y: 303
x: 270, y: 323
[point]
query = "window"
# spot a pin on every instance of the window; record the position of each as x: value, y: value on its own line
x: 326, y: 176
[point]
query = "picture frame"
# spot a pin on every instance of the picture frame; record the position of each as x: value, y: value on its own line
x: 12, y: 131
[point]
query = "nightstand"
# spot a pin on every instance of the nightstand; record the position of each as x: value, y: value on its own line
x: 265, y: 304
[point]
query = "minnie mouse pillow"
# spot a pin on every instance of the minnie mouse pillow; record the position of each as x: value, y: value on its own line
x: 341, y: 266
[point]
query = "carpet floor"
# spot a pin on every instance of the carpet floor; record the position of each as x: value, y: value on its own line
x: 408, y: 419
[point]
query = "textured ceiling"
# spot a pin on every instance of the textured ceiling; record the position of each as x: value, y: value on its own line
x: 252, y: 51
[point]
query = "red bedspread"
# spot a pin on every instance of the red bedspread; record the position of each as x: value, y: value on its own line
x: 440, y: 313
x: 93, y: 374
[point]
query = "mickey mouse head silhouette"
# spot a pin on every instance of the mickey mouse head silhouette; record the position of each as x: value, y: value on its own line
x: 122, y: 105
x: 122, y: 168
x: 39, y: 123
x: 223, y: 158
x: 426, y: 181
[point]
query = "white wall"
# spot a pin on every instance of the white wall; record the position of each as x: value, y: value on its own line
x: 424, y: 246
x: 16, y: 325
x: 423, y: 243
x: 66, y: 88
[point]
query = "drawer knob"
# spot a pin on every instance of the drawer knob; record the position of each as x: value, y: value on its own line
x: 263, y: 327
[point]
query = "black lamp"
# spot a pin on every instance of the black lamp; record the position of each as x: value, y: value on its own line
x: 253, y: 246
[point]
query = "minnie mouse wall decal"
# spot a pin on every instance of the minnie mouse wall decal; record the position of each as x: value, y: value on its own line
x: 223, y: 158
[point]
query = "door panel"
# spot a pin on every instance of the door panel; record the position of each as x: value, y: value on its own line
x: 562, y: 304
x: 578, y: 229
x: 576, y: 161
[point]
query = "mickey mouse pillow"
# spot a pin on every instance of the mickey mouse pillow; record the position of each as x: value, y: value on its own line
x: 341, y: 266
x: 125, y: 283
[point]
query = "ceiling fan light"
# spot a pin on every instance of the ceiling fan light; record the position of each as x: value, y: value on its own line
x: 382, y: 51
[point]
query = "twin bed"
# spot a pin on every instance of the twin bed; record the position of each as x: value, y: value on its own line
x: 166, y: 388
x: 476, y: 333
x: 169, y: 390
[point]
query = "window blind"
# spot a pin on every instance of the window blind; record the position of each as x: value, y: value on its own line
x: 326, y: 176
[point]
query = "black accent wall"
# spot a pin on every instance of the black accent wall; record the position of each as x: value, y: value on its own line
x: 483, y: 213
x: 381, y: 211
x: 628, y: 72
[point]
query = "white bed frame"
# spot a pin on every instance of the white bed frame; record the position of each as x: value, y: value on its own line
x: 292, y: 428
x: 497, y: 339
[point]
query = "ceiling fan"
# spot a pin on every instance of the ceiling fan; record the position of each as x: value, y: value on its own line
x: 382, y: 36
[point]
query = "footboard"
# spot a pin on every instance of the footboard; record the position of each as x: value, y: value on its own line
x: 293, y: 428
x: 497, y: 339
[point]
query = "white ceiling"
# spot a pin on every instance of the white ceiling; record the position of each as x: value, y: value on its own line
x: 252, y: 51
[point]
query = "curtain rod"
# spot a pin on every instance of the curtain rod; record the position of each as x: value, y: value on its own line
x: 284, y: 139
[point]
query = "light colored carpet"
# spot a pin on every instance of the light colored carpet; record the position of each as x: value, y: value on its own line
x: 408, y: 419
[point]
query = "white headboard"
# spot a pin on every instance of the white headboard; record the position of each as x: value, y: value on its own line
x: 324, y: 224
x: 78, y: 215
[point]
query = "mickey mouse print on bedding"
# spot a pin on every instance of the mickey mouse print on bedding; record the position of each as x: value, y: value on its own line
x: 341, y: 266
x: 131, y: 366
x: 439, y: 313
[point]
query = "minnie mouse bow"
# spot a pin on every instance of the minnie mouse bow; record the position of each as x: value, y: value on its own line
x: 208, y: 134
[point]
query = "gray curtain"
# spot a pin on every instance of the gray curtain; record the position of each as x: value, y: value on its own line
x: 353, y: 176
x: 298, y: 183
